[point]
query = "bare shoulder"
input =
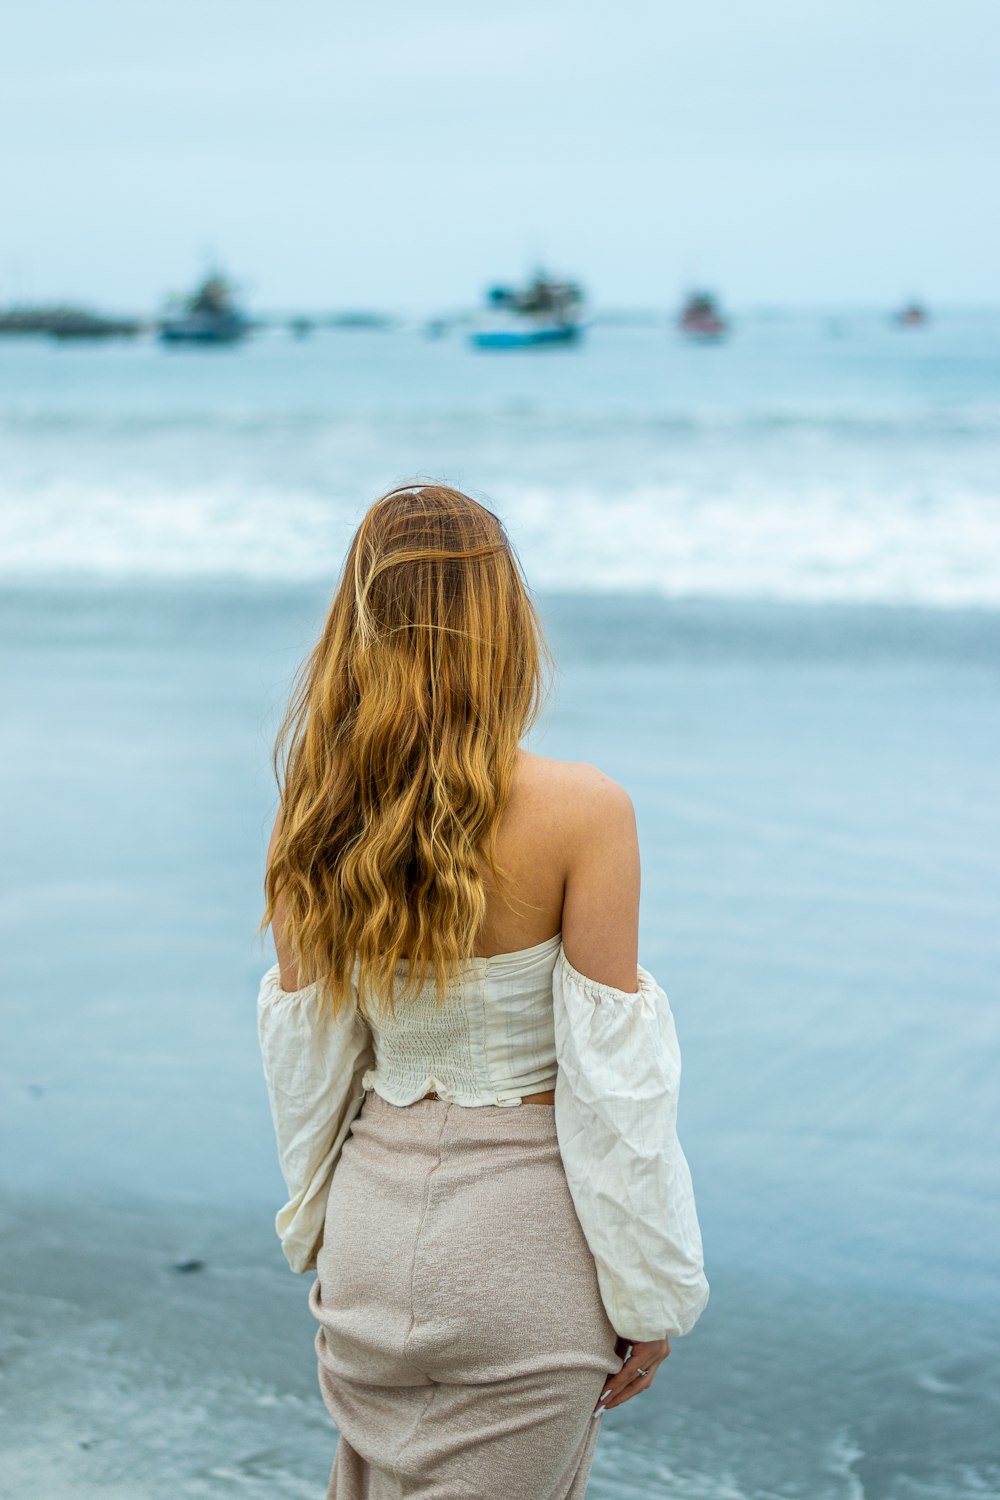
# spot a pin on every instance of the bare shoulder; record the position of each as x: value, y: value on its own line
x: 583, y: 798
x: 594, y: 821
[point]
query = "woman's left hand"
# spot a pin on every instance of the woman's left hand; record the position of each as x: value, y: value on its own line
x: 628, y: 1381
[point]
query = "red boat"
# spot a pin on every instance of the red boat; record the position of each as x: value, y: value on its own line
x: 913, y: 315
x: 700, y: 317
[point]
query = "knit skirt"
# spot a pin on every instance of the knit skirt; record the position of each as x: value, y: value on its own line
x: 462, y: 1341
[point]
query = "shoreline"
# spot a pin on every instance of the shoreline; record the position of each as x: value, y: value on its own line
x: 126, y: 1377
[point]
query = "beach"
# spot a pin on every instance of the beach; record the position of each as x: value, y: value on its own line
x: 772, y: 589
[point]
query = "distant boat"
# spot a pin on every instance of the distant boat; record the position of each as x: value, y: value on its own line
x: 913, y: 315
x: 209, y: 316
x: 700, y: 317
x: 543, y: 312
x: 67, y: 323
x: 87, y: 325
x: 361, y: 320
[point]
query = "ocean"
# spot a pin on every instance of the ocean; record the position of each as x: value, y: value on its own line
x: 770, y: 572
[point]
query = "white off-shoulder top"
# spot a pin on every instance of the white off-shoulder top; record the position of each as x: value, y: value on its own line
x: 512, y: 1024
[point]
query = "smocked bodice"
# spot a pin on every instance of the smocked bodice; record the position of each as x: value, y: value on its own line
x: 491, y: 1042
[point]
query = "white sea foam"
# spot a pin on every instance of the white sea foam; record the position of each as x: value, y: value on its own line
x: 821, y: 542
x: 841, y: 1455
x: 935, y: 1386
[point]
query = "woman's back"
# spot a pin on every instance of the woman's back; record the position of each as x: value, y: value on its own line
x: 567, y: 840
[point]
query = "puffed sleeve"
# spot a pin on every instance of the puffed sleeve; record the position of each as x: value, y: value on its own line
x: 619, y: 1069
x: 313, y: 1065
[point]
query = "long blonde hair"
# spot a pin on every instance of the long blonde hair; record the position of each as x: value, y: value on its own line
x: 396, y: 757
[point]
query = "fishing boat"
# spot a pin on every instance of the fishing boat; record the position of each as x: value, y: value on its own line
x: 700, y: 317
x: 209, y: 316
x: 543, y: 312
x: 913, y: 315
x: 66, y: 323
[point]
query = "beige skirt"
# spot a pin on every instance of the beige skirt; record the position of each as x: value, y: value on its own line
x: 462, y: 1341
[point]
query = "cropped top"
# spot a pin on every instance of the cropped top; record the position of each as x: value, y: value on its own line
x: 512, y: 1024
x: 496, y: 1045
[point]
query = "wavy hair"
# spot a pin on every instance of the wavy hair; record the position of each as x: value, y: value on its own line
x: 396, y: 756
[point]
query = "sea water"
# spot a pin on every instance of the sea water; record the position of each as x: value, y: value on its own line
x: 770, y: 571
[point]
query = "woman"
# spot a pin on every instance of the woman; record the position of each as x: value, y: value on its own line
x: 472, y: 1079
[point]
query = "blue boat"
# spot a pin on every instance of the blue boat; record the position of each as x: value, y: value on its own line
x: 520, y: 335
x: 209, y: 316
x: 544, y: 312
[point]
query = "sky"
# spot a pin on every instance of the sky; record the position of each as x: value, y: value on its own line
x: 405, y: 154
